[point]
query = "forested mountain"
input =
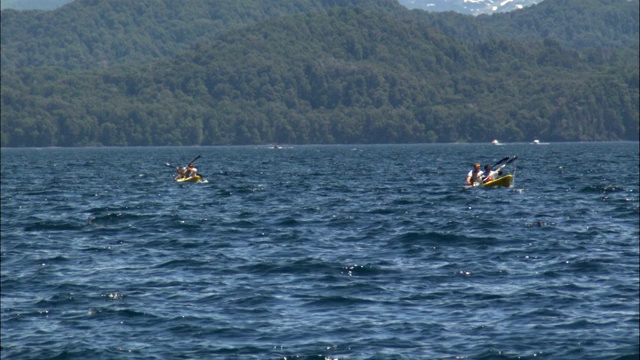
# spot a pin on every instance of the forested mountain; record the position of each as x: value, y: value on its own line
x: 476, y: 7
x: 90, y: 34
x: 326, y: 73
x: 32, y: 4
x: 94, y: 33
x: 575, y: 23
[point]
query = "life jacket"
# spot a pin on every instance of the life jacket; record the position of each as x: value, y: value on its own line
x: 189, y: 172
x: 475, y: 175
x: 486, y: 176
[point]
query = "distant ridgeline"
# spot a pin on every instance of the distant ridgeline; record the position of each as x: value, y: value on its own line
x: 475, y: 7
x: 192, y: 72
x: 33, y: 4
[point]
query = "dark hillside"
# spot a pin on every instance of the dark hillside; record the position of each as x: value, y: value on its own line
x: 579, y: 24
x: 336, y: 75
x: 89, y: 33
x: 343, y: 76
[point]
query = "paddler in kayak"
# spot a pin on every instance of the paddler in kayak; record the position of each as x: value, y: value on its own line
x: 180, y: 172
x: 475, y: 175
x: 488, y: 175
x: 186, y: 172
x: 190, y: 171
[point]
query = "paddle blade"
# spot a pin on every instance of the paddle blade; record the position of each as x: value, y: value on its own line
x: 194, y: 160
x: 501, y: 161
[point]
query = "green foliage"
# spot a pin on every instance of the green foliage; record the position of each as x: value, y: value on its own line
x: 92, y: 34
x: 579, y: 24
x: 324, y: 73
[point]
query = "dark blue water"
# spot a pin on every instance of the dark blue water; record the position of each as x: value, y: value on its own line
x: 320, y: 252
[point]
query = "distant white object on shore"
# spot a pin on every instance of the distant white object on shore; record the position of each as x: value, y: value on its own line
x: 537, y: 142
x: 495, y: 142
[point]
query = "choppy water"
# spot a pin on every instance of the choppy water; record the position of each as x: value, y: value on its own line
x: 320, y: 252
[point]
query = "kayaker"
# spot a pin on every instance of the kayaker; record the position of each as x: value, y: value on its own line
x: 474, y: 175
x: 190, y: 171
x: 181, y: 172
x: 488, y: 175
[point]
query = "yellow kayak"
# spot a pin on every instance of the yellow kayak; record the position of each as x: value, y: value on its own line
x: 192, y: 179
x: 504, y: 181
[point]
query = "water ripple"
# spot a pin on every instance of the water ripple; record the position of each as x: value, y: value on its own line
x: 321, y: 252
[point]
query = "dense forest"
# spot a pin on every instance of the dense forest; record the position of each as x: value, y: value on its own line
x: 197, y: 72
x: 32, y: 4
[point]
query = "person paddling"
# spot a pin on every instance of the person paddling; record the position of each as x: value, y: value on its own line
x: 475, y: 175
x: 190, y: 171
x: 488, y: 175
x: 180, y: 172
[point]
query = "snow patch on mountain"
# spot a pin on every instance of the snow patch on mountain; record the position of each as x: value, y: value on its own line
x: 472, y: 7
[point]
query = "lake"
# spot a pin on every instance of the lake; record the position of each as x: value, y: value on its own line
x: 321, y: 252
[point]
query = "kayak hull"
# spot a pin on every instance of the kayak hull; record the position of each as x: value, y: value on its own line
x: 504, y: 181
x: 192, y: 179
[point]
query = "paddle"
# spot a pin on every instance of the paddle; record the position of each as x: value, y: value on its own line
x: 194, y: 160
x: 500, y: 162
x: 191, y: 163
x: 512, y: 160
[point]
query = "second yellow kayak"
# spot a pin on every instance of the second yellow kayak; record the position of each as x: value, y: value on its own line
x: 504, y: 181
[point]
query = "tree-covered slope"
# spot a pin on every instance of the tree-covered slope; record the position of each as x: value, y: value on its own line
x: 341, y: 76
x: 90, y: 34
x: 93, y: 33
x: 578, y: 24
x: 32, y: 4
x: 337, y: 74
